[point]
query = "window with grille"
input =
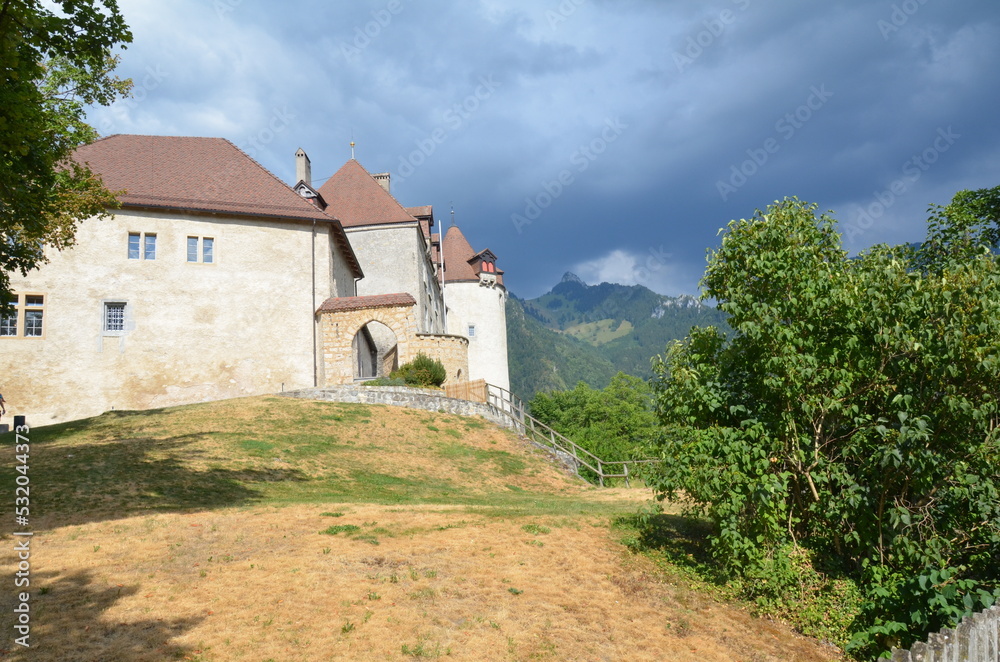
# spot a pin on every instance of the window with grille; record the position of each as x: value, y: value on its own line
x: 149, y: 247
x: 114, y: 316
x: 133, y: 245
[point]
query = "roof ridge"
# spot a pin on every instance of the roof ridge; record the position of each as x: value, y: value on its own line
x: 272, y: 175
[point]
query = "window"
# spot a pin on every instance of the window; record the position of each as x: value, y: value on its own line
x: 114, y: 316
x: 146, y: 241
x: 8, y: 321
x: 31, y: 309
x: 207, y: 250
x: 472, y: 330
x: 33, y: 304
x: 149, y: 252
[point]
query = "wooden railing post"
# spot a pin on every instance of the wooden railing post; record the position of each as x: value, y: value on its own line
x: 626, y: 475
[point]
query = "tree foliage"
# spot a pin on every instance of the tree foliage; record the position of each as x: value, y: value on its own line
x: 56, y: 60
x: 854, y: 414
x: 614, y: 423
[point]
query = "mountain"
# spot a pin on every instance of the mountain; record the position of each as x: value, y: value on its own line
x: 575, y: 331
x: 541, y: 359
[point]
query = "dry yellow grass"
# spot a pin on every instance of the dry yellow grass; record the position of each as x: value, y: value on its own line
x: 257, y: 580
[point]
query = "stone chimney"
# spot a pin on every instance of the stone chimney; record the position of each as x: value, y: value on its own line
x: 383, y: 179
x: 303, y: 167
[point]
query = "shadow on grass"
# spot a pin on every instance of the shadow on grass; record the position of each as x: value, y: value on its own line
x: 679, y: 539
x: 85, y: 482
x: 68, y: 622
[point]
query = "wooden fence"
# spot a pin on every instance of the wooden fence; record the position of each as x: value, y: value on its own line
x: 504, y: 403
x: 472, y: 391
x: 976, y: 639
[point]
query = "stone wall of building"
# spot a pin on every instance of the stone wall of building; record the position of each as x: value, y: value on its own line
x: 193, y: 331
x: 394, y: 258
x: 452, y: 351
x: 471, y: 304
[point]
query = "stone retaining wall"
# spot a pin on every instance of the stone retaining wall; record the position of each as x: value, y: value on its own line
x: 401, y: 396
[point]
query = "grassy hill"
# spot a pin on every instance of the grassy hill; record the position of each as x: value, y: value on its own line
x: 269, y: 529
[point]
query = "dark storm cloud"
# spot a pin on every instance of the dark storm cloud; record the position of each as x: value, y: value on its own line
x: 628, y: 131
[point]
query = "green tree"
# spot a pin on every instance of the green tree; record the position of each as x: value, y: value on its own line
x: 853, y: 414
x: 54, y: 63
x: 614, y: 423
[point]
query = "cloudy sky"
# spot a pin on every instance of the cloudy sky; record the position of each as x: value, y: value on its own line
x: 612, y: 138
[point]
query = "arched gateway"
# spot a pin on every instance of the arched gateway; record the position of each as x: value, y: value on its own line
x: 365, y: 337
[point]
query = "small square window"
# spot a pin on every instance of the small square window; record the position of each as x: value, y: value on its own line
x: 133, y: 245
x: 207, y: 249
x: 34, y: 300
x: 149, y: 247
x: 192, y: 249
x: 114, y: 316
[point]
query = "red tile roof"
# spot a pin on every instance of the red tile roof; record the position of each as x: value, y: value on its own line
x: 194, y: 174
x: 209, y: 175
x: 457, y: 253
x: 341, y: 304
x: 354, y: 197
x: 425, y: 210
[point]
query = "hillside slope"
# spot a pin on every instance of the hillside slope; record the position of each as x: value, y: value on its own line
x: 542, y: 359
x: 579, y: 332
x: 279, y: 529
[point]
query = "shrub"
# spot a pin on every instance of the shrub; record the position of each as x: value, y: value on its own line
x: 421, y: 371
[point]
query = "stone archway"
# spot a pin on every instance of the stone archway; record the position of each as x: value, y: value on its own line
x: 375, y: 351
x: 343, y: 319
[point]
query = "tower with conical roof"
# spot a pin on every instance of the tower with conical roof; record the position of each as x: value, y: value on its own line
x: 477, y: 306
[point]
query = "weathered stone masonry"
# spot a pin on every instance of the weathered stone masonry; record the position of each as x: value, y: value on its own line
x: 342, y: 318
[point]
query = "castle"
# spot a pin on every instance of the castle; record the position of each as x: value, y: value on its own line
x: 214, y: 279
